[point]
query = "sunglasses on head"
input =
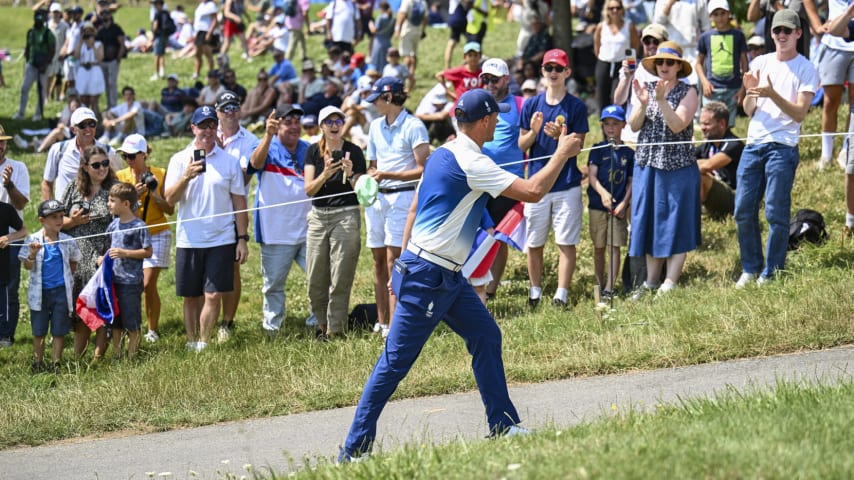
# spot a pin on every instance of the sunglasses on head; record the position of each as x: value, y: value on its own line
x: 665, y: 61
x: 87, y: 124
x: 333, y: 121
x: 229, y: 109
x: 487, y: 80
x: 651, y: 41
x: 778, y: 30
x: 98, y: 165
x: 129, y: 156
x: 553, y: 68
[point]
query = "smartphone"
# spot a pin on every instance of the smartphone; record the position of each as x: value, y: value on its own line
x: 199, y: 156
x: 631, y: 59
x: 337, y: 155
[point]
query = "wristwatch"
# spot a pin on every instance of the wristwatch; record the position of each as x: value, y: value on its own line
x: 245, y: 237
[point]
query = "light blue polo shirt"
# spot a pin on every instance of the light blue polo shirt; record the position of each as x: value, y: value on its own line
x: 392, y: 145
x: 504, y: 147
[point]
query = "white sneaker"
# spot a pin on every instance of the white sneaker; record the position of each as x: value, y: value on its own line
x: 642, y: 291
x: 20, y: 142
x: 151, y: 336
x: 191, y: 346
x: 822, y: 163
x: 154, y: 78
x: 201, y: 346
x: 745, y: 279
x: 664, y: 289
x: 384, y: 329
x: 516, y: 430
x: 763, y: 280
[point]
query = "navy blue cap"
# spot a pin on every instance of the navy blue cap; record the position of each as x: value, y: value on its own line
x: 385, y: 85
x: 613, y: 111
x: 203, y: 113
x: 476, y: 104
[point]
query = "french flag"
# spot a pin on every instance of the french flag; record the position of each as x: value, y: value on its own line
x: 512, y: 229
x: 97, y: 304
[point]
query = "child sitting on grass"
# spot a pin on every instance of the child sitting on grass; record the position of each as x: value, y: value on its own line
x: 51, y: 259
x: 130, y: 243
x: 609, y: 196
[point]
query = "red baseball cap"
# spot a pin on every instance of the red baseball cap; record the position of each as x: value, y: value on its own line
x: 557, y: 56
x: 356, y: 59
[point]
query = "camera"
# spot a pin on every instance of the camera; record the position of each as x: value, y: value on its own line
x: 82, y: 205
x: 149, y: 180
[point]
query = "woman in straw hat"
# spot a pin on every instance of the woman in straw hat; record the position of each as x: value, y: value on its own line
x: 666, y: 203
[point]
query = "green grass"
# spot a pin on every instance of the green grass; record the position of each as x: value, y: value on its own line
x: 251, y: 377
x: 795, y: 431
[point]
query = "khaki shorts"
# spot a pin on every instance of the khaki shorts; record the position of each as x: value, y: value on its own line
x: 409, y: 42
x: 720, y: 201
x: 600, y: 222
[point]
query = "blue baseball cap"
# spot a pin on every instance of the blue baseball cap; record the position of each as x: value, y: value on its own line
x: 476, y: 104
x: 385, y: 85
x: 613, y: 111
x: 205, y: 112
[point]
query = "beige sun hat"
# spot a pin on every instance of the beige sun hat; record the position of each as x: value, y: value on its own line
x: 668, y: 50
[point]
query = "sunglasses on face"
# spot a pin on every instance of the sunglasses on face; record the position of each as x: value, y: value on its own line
x: 206, y: 126
x: 129, y: 156
x: 488, y: 80
x: 778, y: 30
x: 98, y: 165
x: 650, y: 41
x: 229, y: 109
x: 262, y: 79
x: 333, y: 121
x: 615, y: 9
x: 87, y: 124
x: 668, y: 61
x: 553, y: 68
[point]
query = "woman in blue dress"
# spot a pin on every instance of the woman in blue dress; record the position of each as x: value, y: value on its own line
x: 666, y: 203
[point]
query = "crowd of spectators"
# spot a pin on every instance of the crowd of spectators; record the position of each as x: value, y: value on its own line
x: 327, y: 127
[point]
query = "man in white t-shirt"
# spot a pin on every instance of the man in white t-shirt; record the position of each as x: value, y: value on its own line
x: 780, y: 87
x: 124, y: 119
x: 342, y: 25
x: 207, y: 245
x: 63, y: 158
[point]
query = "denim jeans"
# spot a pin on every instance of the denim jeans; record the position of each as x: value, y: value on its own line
x: 10, y: 311
x: 769, y: 169
x: 276, y: 261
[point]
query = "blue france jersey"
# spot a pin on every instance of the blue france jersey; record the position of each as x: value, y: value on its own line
x: 452, y: 196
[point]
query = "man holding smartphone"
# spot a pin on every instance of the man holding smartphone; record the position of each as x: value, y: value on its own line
x: 206, y: 182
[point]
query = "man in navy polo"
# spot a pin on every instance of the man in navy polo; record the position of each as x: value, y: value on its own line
x: 398, y: 146
x: 458, y: 178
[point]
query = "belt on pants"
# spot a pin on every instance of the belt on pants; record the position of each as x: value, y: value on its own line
x: 407, y: 188
x: 433, y: 258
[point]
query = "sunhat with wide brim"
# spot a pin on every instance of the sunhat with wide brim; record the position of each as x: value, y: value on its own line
x: 668, y: 50
x: 366, y: 189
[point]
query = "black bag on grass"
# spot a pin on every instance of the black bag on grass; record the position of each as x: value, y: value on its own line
x: 807, y: 225
x: 363, y: 316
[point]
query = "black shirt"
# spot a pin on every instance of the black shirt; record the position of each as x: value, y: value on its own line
x: 109, y: 37
x: 335, y: 184
x: 9, y: 218
x: 732, y: 147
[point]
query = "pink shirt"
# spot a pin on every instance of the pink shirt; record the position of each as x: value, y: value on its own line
x: 296, y: 22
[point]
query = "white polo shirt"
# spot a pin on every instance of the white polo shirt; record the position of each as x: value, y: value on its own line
x: 392, y: 145
x: 21, y: 179
x: 206, y: 195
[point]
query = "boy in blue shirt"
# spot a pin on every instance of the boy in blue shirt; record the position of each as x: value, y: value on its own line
x: 130, y: 243
x: 51, y: 258
x: 609, y: 196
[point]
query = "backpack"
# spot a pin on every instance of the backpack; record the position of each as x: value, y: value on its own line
x: 290, y: 8
x: 806, y: 225
x: 417, y: 12
x: 168, y: 28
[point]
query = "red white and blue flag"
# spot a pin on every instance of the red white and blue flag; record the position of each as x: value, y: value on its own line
x: 97, y: 304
